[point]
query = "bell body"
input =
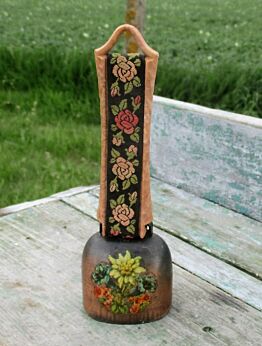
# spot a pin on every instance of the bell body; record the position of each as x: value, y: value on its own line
x: 126, y: 282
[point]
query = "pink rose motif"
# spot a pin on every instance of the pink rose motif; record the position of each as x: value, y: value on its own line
x: 132, y: 149
x: 115, y: 91
x: 126, y: 121
x: 137, y: 100
x: 124, y: 69
x: 117, y: 141
x: 123, y: 169
x: 123, y: 214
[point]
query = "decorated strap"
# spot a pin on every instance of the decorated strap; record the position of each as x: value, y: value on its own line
x: 126, y: 85
x: 125, y: 99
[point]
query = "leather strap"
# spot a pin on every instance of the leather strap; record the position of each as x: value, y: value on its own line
x: 150, y: 59
x: 125, y: 127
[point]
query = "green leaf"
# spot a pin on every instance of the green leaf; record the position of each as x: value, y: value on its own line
x: 123, y: 104
x: 132, y: 197
x: 128, y: 87
x: 133, y: 179
x: 126, y: 184
x: 137, y: 82
x: 135, y: 106
x: 135, y: 137
x: 135, y: 162
x: 112, y: 160
x: 116, y: 227
x: 113, y: 61
x: 133, y: 221
x: 115, y: 153
x: 113, y: 203
x: 130, y: 156
x: 120, y: 199
x: 115, y: 55
x: 114, y: 109
x: 137, y: 129
x: 132, y: 55
x: 114, y: 308
x: 113, y: 127
x: 114, y: 84
x: 120, y: 135
x: 111, y: 219
x: 131, y: 229
x: 137, y: 62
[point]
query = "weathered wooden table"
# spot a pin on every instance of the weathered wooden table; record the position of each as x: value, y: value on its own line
x: 217, y: 296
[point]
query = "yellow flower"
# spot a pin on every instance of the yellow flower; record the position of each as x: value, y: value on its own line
x: 125, y: 269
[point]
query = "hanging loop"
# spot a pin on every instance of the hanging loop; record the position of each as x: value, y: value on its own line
x: 148, y: 51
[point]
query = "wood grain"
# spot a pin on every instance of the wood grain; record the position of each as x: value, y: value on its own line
x: 213, y: 154
x: 226, y: 234
x: 230, y: 236
x: 209, y: 268
x: 21, y: 206
x: 41, y: 292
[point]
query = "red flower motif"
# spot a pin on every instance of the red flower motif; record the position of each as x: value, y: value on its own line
x: 134, y: 308
x: 144, y: 298
x: 137, y: 100
x: 101, y: 292
x: 126, y: 121
x: 115, y: 91
x: 114, y: 231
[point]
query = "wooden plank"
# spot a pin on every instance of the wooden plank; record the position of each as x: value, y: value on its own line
x: 210, y: 112
x: 21, y: 206
x: 228, y: 235
x: 41, y: 292
x: 209, y: 268
x: 213, y: 154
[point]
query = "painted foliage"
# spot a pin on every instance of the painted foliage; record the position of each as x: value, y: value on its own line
x: 122, y: 285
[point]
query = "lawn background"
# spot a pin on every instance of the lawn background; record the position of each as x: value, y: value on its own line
x: 210, y: 54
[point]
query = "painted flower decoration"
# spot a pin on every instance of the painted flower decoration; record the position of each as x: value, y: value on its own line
x: 123, y: 169
x: 123, y: 214
x: 101, y: 274
x: 104, y: 295
x: 126, y: 121
x: 122, y: 285
x: 124, y: 69
x: 125, y: 269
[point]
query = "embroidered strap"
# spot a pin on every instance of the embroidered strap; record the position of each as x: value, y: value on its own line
x: 125, y: 101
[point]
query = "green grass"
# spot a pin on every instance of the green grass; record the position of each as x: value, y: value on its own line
x: 42, y: 154
x: 210, y: 54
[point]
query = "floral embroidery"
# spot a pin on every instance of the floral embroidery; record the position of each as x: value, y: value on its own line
x: 126, y: 71
x: 123, y: 214
x: 117, y: 141
x: 122, y: 286
x: 126, y: 143
x: 126, y: 121
x: 123, y: 169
